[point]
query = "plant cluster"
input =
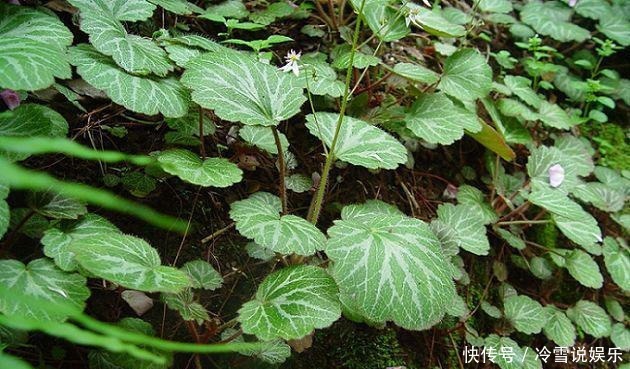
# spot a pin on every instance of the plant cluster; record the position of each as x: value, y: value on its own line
x: 408, y: 166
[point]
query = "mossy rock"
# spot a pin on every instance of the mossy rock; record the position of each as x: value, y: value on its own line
x: 347, y: 345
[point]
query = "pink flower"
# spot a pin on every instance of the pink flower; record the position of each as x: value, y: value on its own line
x: 11, y: 99
x: 556, y: 175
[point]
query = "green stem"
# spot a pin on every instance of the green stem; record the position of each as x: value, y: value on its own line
x: 313, y: 215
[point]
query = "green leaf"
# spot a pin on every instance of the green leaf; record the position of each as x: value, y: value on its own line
x: 53, y: 205
x: 494, y: 6
x: 383, y: 20
x: 512, y: 239
x: 184, y: 303
x: 202, y: 275
x: 256, y: 251
x: 41, y: 279
x: 525, y: 314
x: 258, y: 218
x: 389, y: 266
x: 436, y: 119
x: 32, y: 48
x: 467, y: 76
x: 583, y: 231
x: 514, y: 108
x: 594, y: 9
x: 493, y: 141
x: 229, y: 9
x: 519, y: 358
x: 617, y: 260
x: 31, y: 120
x: 456, y: 228
x: 520, y: 86
x: 180, y: 7
x: 615, y: 309
x: 554, y: 116
x: 552, y: 18
x: 128, y: 261
x: 102, y: 20
x: 273, y: 352
x: 416, y: 72
x: 359, y: 143
x: 139, y: 94
x: 469, y: 195
x: 558, y: 327
x: 613, y: 179
x: 184, y: 48
x: 491, y: 310
x: 290, y: 303
x: 555, y: 201
x: 215, y: 172
x: 433, y: 22
x: 241, y: 89
x: 138, y: 183
x: 540, y: 267
x: 189, y: 124
x: 321, y: 78
x: 299, y: 183
x: 33, y: 224
x: 262, y: 137
x: 617, y: 27
x: 57, y: 239
x: 341, y: 58
x: 591, y: 318
x: 620, y: 336
x: 543, y: 157
x: 584, y: 269
x: 601, y: 196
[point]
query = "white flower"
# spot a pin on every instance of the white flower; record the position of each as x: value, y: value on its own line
x: 572, y: 3
x: 292, y: 59
x: 413, y: 12
x: 556, y: 175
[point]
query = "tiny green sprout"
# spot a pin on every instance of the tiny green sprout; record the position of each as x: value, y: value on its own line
x: 505, y: 59
x: 606, y: 48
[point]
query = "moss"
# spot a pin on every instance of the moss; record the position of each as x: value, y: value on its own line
x: 612, y: 143
x: 545, y: 235
x: 346, y: 345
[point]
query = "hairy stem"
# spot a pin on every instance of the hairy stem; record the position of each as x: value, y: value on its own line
x: 202, y: 146
x: 315, y: 210
x: 282, y: 169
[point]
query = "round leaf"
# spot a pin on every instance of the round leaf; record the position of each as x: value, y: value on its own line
x: 128, y: 261
x: 241, y: 89
x: 215, y: 172
x: 258, y: 217
x: 467, y: 75
x: 290, y: 303
x: 389, y: 266
x: 358, y: 143
x: 32, y: 48
x: 43, y: 280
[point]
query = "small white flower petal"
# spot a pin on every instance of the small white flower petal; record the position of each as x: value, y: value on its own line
x: 556, y: 175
